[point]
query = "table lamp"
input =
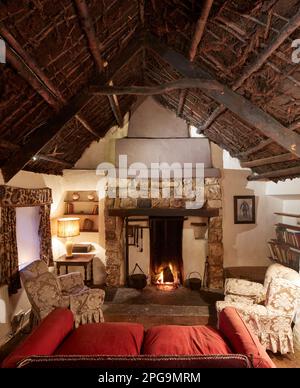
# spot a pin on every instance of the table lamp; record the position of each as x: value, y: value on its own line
x: 67, y: 228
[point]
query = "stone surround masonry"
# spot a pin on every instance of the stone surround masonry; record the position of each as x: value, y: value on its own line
x: 114, y: 233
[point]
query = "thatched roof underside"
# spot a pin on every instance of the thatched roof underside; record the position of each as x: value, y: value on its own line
x: 52, y: 34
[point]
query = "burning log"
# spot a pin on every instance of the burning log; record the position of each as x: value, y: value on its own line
x: 168, y: 276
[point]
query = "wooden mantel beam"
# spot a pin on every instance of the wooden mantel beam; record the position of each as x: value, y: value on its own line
x: 43, y: 134
x: 94, y: 45
x: 236, y: 103
x: 198, y: 34
x: 259, y: 61
x: 157, y: 89
x: 275, y: 174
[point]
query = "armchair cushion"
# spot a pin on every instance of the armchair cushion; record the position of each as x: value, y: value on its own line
x: 242, y: 339
x: 104, y: 339
x: 44, y: 292
x: 72, y: 283
x: 44, y: 339
x: 250, y: 291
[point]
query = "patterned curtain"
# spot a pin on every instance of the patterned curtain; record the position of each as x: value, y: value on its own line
x: 45, y: 235
x: 9, y: 266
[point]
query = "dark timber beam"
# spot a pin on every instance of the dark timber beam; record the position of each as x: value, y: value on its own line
x: 275, y: 174
x: 29, y: 70
x: 198, y: 34
x: 43, y: 134
x: 157, y: 89
x: 12, y: 42
x: 271, y: 160
x: 30, y: 77
x: 52, y: 159
x: 8, y: 145
x: 263, y: 144
x: 236, y: 103
x: 200, y: 27
x: 260, y: 60
x: 89, y: 30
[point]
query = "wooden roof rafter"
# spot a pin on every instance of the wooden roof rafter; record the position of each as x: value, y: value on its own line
x: 44, y: 133
x: 28, y: 69
x: 260, y: 60
x: 233, y: 101
x: 198, y: 34
x: 94, y: 48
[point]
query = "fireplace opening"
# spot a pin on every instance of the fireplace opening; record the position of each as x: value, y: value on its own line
x: 166, y: 263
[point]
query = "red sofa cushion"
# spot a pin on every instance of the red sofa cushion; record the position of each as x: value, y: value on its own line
x: 44, y: 339
x: 104, y: 339
x: 242, y: 339
x: 184, y: 340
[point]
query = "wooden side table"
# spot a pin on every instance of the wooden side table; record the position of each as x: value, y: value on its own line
x: 77, y: 260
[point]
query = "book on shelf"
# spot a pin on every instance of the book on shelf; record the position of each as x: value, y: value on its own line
x: 284, y: 254
x: 288, y: 236
x: 69, y: 208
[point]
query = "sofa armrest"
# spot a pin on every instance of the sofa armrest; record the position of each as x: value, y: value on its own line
x: 242, y: 339
x: 45, y: 339
x: 71, y: 281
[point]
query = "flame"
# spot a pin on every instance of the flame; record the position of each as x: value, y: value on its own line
x: 167, y: 285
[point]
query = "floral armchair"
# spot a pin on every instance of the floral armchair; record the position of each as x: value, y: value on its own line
x: 268, y: 313
x: 47, y: 291
x: 244, y: 291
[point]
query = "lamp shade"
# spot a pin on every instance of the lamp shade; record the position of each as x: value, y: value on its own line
x: 68, y: 227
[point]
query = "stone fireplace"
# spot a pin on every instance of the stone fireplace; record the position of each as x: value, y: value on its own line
x: 117, y: 211
x: 156, y: 136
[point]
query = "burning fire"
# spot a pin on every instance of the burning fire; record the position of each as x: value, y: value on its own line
x: 163, y: 280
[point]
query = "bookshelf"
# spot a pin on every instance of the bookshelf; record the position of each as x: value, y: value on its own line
x: 285, y: 248
x: 84, y: 205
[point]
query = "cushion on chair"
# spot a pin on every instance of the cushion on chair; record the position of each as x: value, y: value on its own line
x: 242, y: 339
x: 44, y: 339
x: 104, y: 339
x: 44, y: 291
x: 184, y: 340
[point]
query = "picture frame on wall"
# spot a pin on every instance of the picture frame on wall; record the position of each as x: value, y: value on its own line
x: 244, y: 209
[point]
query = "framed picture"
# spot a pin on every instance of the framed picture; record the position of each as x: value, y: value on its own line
x: 244, y: 209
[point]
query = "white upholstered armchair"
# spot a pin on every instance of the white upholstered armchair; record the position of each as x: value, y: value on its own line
x: 244, y: 291
x: 268, y: 309
x: 46, y: 291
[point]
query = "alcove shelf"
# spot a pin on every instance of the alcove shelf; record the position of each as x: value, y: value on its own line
x: 83, y: 208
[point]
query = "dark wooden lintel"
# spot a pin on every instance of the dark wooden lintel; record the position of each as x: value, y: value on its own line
x: 159, y: 212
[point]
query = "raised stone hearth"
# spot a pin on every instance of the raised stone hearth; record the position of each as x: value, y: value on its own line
x: 114, y: 235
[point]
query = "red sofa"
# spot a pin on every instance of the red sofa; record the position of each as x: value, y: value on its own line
x: 55, y: 343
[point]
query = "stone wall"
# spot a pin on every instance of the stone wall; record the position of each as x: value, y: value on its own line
x: 114, y: 236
